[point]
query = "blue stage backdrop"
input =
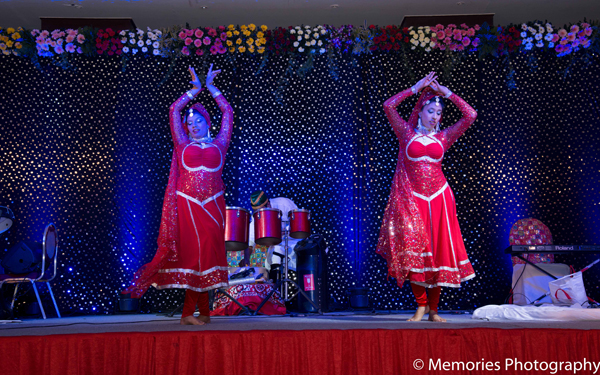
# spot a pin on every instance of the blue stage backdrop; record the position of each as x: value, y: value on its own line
x: 89, y: 149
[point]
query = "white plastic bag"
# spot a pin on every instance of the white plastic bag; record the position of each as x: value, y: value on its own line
x: 568, y: 290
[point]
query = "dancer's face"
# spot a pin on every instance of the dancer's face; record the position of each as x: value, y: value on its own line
x: 197, y: 126
x: 430, y: 115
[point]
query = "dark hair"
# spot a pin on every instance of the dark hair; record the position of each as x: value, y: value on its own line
x: 434, y: 99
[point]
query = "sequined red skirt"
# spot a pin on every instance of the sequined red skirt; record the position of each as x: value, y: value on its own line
x: 202, y: 259
x: 445, y: 261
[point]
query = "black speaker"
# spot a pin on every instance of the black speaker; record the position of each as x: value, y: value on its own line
x: 24, y: 257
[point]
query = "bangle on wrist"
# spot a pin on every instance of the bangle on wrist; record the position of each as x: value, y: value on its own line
x: 448, y: 94
x: 414, y: 90
x: 190, y: 95
x: 217, y: 93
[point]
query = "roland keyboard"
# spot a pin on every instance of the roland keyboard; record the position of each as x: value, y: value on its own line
x: 553, y: 249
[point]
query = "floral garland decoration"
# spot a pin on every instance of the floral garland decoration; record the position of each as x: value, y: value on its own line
x: 202, y: 41
x: 309, y: 40
x: 108, y: 42
x: 11, y: 40
x: 453, y: 38
x: 535, y: 34
x: 279, y: 41
x: 340, y: 39
x: 508, y: 40
x: 248, y: 39
x: 58, y: 42
x: 389, y: 38
x: 570, y: 41
x: 422, y: 37
x: 140, y: 41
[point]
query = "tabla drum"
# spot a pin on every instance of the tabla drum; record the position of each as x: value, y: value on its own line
x: 299, y: 223
x: 237, y: 220
x: 267, y: 226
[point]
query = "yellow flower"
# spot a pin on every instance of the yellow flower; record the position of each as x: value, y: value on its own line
x: 258, y: 43
x: 232, y: 49
x: 242, y: 49
x: 261, y: 49
x: 229, y: 43
x: 16, y: 36
x: 10, y: 30
x: 251, y: 49
x: 246, y: 32
x: 238, y: 41
x: 243, y: 27
x: 236, y: 32
x: 250, y: 41
x: 231, y: 27
x: 263, y: 27
x: 260, y: 34
x: 9, y: 44
x: 2, y: 46
x: 252, y: 27
x: 263, y: 41
x: 18, y: 45
x: 5, y: 52
x: 229, y: 34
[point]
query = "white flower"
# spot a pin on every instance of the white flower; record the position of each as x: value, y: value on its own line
x: 421, y: 38
x: 548, y: 37
x: 322, y: 50
x: 423, y: 44
x: 300, y: 49
x: 299, y: 37
x: 296, y: 44
x: 313, y: 42
x: 531, y: 30
x: 158, y: 32
x: 132, y: 41
x: 148, y: 42
x: 412, y: 32
x: 541, y: 30
x: 420, y: 28
x: 523, y: 34
x: 144, y: 49
x: 427, y: 49
x: 123, y: 32
x: 316, y: 35
x: 427, y: 40
x: 539, y: 44
x: 415, y: 42
x: 152, y: 36
x: 140, y: 43
x: 124, y: 40
x: 131, y: 35
x: 156, y: 52
x: 300, y: 32
x: 140, y: 32
x: 427, y: 29
x: 140, y: 37
x: 432, y: 44
x: 293, y: 31
x: 307, y: 27
x: 413, y: 47
x: 524, y: 27
x: 549, y: 28
x: 307, y: 43
x: 155, y: 44
x: 316, y: 29
x: 297, y: 27
x: 538, y: 36
x: 126, y: 49
x: 320, y: 43
x: 134, y: 50
x: 323, y: 32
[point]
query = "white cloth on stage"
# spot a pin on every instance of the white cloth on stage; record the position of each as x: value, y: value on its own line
x: 530, y: 312
x: 285, y: 205
x: 529, y: 283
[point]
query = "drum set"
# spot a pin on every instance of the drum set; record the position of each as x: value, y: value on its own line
x: 268, y: 231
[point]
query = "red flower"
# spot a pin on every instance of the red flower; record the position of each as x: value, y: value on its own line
x: 371, y: 27
x: 110, y: 32
x: 406, y: 40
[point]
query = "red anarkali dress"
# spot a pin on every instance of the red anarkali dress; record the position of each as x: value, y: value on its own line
x: 191, y: 245
x: 420, y: 237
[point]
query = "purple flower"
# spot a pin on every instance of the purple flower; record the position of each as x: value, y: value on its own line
x: 206, y: 40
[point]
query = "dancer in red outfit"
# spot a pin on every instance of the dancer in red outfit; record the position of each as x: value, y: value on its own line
x: 420, y: 237
x: 191, y: 244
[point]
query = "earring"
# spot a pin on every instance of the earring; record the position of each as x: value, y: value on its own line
x: 419, y: 123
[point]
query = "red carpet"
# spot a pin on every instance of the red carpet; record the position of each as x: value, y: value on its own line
x: 343, y: 352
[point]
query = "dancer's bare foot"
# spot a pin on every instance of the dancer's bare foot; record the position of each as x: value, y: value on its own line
x: 204, y: 319
x: 434, y: 317
x: 421, y: 311
x: 191, y: 321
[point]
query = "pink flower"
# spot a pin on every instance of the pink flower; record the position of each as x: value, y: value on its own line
x: 442, y: 47
x: 464, y: 26
x: 575, y: 43
x: 213, y: 50
x: 185, y: 51
x: 79, y: 50
x: 448, y: 41
x: 586, y: 44
x: 223, y: 36
x: 222, y: 49
x: 463, y: 32
x: 188, y: 41
x: 562, y: 33
x: 457, y: 35
x: 471, y: 32
x: 212, y: 32
x: 564, y: 41
x: 448, y: 32
x: 452, y: 47
x: 199, y: 52
x: 198, y: 43
x: 460, y: 47
x: 72, y: 32
x: 588, y: 31
x: 34, y: 32
x: 574, y: 29
x: 221, y: 28
x: 58, y: 49
x: 52, y: 43
x: 206, y: 40
x: 475, y: 42
x: 555, y: 38
x: 466, y: 41
x: 70, y: 47
x: 44, y: 34
x: 452, y: 26
x: 440, y: 35
x: 182, y: 34
x: 585, y: 25
x: 439, y: 26
x: 570, y: 37
x: 559, y: 48
x: 189, y: 32
x: 40, y: 40
x: 199, y: 33
x: 477, y: 27
x: 70, y: 38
